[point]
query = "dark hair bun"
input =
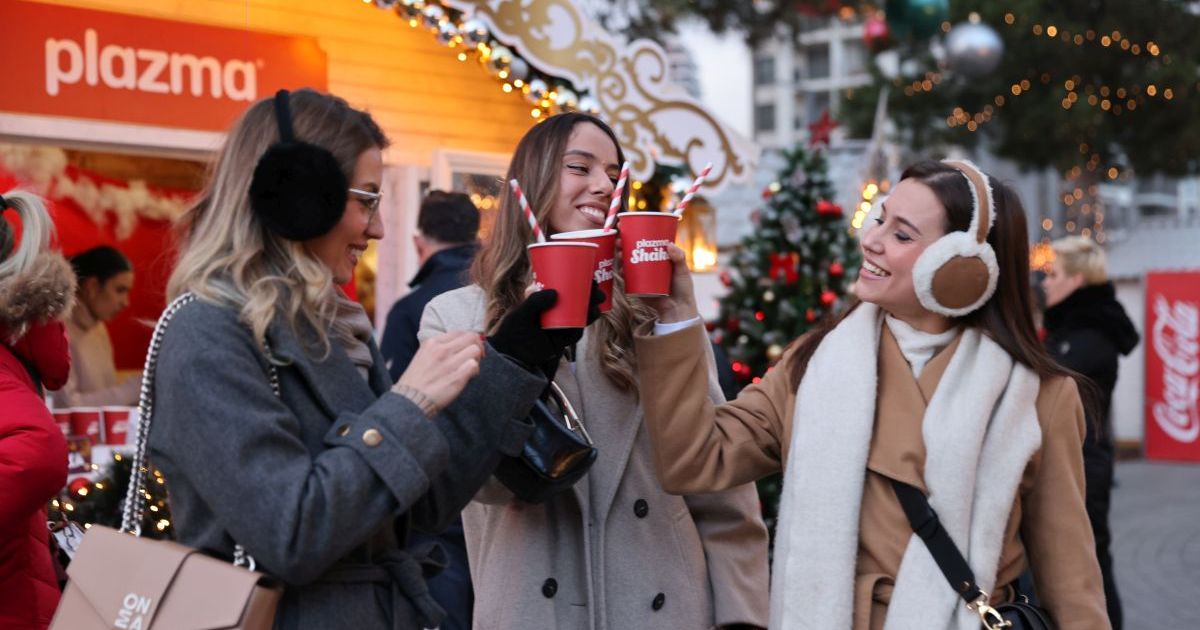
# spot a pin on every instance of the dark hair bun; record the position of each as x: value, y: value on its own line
x: 299, y: 191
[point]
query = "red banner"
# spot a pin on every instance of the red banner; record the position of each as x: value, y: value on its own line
x: 63, y: 61
x: 1173, y: 366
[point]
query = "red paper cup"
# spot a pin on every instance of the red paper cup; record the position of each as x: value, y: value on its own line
x: 565, y: 267
x: 644, y: 259
x: 86, y: 421
x: 606, y: 241
x: 116, y: 424
x: 62, y: 417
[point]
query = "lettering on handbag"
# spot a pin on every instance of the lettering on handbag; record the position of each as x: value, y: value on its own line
x: 1177, y: 344
x: 132, y: 615
x: 649, y: 250
x: 146, y: 70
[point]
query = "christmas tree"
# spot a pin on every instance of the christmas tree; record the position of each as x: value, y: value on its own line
x: 792, y: 270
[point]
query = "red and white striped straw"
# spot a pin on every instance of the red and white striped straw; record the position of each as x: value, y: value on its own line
x: 691, y: 191
x: 618, y: 192
x: 533, y: 224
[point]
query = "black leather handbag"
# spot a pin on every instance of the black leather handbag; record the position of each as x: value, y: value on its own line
x: 1015, y: 615
x: 558, y: 453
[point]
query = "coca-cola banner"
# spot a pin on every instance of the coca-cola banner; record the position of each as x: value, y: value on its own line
x: 1173, y: 366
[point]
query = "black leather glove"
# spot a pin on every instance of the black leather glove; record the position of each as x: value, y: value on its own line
x: 521, y: 336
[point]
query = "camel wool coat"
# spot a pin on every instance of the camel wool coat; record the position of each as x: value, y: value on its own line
x: 748, y: 438
x: 617, y: 552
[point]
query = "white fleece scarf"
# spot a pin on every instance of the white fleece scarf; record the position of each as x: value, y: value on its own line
x: 979, y: 429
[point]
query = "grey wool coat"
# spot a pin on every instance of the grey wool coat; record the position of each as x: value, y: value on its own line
x: 321, y: 484
x: 616, y: 552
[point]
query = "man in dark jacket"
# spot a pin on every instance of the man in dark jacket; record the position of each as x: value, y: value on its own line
x: 448, y: 224
x: 1086, y: 331
x: 446, y: 242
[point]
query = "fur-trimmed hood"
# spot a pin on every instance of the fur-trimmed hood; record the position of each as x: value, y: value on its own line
x: 43, y: 292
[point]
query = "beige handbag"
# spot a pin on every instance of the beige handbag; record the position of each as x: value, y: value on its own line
x: 121, y: 581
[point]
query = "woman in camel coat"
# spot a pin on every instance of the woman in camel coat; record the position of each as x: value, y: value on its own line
x: 922, y: 383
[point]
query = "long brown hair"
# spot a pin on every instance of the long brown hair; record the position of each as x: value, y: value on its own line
x: 501, y: 268
x: 1007, y: 317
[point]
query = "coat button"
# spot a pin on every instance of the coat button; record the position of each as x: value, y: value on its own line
x: 640, y: 508
x: 658, y: 602
x: 372, y: 437
x: 549, y: 587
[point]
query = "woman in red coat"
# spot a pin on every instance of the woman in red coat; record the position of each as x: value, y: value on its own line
x: 36, y: 286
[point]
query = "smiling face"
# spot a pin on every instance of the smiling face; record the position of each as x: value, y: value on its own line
x: 587, y: 176
x: 341, y: 247
x: 911, y: 220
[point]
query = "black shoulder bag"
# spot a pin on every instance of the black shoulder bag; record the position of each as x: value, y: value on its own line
x: 558, y: 453
x: 1017, y: 615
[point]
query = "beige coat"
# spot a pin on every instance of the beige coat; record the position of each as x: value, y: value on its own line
x: 699, y: 446
x: 617, y: 552
x: 93, y: 381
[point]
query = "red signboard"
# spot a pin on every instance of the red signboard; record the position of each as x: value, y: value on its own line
x: 1173, y: 366
x: 62, y: 61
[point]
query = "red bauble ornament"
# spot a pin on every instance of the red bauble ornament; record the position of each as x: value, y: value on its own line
x: 732, y: 325
x: 827, y: 208
x: 835, y: 269
x: 79, y: 483
x: 810, y: 315
x: 725, y: 279
x: 828, y: 298
x: 783, y: 267
x: 876, y: 34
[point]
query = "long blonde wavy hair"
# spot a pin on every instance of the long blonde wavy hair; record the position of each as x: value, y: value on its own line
x: 502, y: 267
x: 228, y: 257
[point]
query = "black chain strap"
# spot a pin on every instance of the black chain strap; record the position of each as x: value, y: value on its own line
x: 134, y: 509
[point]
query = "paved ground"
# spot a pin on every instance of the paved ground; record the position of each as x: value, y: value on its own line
x: 1156, y: 544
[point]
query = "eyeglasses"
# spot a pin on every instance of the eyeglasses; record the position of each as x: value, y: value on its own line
x: 369, y: 200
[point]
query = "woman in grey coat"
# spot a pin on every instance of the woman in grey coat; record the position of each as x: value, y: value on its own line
x: 276, y: 423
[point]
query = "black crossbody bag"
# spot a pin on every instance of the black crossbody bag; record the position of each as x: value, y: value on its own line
x: 1015, y: 615
x: 558, y: 453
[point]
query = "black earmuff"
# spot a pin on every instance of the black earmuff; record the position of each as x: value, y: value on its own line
x: 298, y: 191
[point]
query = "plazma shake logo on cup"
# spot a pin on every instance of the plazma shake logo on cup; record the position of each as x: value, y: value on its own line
x: 605, y: 242
x: 646, y: 263
x: 565, y: 267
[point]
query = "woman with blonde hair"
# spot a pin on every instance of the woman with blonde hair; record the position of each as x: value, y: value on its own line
x: 931, y: 394
x: 36, y: 290
x: 615, y: 551
x: 1087, y: 330
x: 276, y: 424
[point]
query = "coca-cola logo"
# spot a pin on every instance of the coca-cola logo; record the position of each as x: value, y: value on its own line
x: 1176, y: 335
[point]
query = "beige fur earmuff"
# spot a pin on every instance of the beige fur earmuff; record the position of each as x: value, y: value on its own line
x: 958, y: 273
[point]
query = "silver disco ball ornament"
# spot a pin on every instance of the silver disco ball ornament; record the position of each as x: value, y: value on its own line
x: 501, y: 59
x: 589, y: 104
x: 446, y: 32
x: 518, y: 69
x: 474, y: 32
x: 537, y: 90
x: 567, y: 98
x: 433, y: 14
x: 973, y: 49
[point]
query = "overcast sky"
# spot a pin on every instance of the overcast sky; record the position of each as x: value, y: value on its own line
x: 725, y: 81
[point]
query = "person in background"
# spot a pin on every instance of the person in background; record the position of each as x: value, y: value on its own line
x: 105, y: 278
x: 1087, y: 330
x: 446, y: 240
x: 614, y: 552
x: 36, y: 288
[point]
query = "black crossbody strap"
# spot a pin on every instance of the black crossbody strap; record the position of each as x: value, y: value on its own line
x: 925, y: 523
